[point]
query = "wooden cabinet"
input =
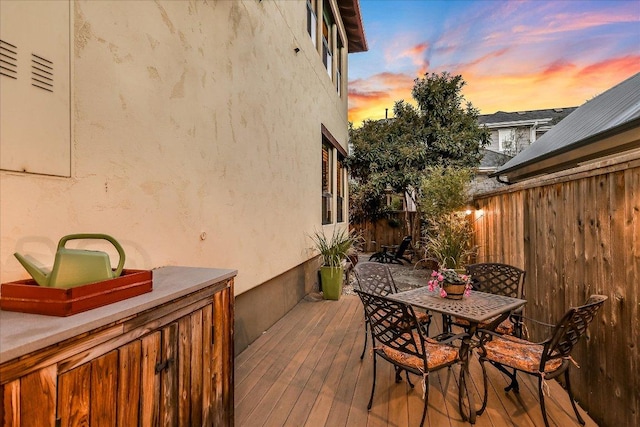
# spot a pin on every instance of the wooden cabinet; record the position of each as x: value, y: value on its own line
x: 168, y: 365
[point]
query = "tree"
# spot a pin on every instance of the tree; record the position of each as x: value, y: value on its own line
x: 395, y: 154
x: 444, y: 190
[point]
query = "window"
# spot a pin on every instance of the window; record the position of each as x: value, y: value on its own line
x: 327, y: 183
x: 340, y: 190
x: 312, y: 21
x: 505, y: 138
x: 333, y: 171
x: 327, y: 41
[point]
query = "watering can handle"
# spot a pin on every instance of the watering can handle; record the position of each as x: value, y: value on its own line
x: 110, y: 239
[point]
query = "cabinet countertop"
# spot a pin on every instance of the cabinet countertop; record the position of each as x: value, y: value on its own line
x: 23, y: 333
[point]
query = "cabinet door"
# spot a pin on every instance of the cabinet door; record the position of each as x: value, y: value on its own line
x: 174, y: 376
x: 103, y: 392
x: 30, y: 400
x: 177, y: 374
x: 128, y: 395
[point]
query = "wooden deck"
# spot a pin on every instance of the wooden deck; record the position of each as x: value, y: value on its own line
x: 306, y: 371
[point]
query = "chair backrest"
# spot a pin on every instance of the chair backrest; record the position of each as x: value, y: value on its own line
x: 570, y: 328
x: 496, y: 278
x: 374, y: 278
x: 390, y: 323
x: 404, y: 245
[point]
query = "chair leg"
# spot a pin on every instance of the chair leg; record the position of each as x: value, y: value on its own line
x: 366, y: 330
x: 426, y: 403
x: 406, y: 373
x: 573, y: 402
x: 373, y: 385
x: 542, y: 407
x: 398, y: 374
x: 377, y: 257
x: 484, y: 383
x: 514, y: 381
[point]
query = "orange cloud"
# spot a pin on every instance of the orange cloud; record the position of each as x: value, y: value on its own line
x: 623, y: 66
x: 368, y: 98
x: 416, y: 50
x: 560, y: 84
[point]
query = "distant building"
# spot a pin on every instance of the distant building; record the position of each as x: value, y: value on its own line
x: 605, y: 127
x: 510, y: 134
x: 513, y: 132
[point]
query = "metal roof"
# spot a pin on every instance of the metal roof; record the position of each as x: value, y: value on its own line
x: 612, y: 112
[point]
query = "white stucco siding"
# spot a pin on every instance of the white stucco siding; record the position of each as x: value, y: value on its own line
x: 187, y: 118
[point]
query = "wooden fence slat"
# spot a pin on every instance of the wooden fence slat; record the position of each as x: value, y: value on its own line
x: 579, y: 236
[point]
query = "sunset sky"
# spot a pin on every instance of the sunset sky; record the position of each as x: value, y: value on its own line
x: 513, y: 55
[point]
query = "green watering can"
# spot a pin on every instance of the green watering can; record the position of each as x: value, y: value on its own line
x: 75, y: 267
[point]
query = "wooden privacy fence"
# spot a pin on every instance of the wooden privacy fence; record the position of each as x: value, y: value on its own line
x: 388, y: 231
x: 578, y: 233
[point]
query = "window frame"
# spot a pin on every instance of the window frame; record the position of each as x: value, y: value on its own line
x: 312, y: 22
x: 335, y: 154
x: 328, y: 42
x: 341, y: 192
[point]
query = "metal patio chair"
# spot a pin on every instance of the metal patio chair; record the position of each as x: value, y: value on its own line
x: 375, y: 278
x: 545, y: 360
x: 407, y: 348
x: 393, y: 254
x: 499, y: 279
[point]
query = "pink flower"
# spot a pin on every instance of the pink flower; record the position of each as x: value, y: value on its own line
x: 434, y: 273
x: 440, y: 277
x: 442, y: 293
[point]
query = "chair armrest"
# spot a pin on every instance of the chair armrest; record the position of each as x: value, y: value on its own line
x: 485, y: 335
x: 519, y: 317
x: 452, y: 338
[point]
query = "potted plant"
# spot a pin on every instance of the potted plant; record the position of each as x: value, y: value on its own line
x: 450, y: 283
x: 333, y: 250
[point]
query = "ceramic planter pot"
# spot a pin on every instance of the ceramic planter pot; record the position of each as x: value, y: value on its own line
x: 331, y: 281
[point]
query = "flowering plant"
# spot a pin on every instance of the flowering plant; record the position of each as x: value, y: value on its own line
x: 438, y: 278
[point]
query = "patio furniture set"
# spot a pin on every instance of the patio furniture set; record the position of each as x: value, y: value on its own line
x: 489, y: 323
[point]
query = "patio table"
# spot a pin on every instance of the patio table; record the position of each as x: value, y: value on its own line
x: 475, y: 308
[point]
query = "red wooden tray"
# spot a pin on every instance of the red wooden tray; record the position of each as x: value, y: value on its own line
x: 26, y: 296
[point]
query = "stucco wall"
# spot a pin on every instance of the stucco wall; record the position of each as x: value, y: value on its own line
x: 195, y: 139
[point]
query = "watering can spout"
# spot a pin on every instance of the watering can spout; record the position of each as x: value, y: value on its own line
x: 38, y: 275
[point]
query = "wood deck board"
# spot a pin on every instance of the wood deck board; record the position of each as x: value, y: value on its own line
x: 306, y: 371
x: 258, y: 391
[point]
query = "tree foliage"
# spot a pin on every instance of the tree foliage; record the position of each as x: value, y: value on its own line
x: 444, y: 190
x: 396, y: 154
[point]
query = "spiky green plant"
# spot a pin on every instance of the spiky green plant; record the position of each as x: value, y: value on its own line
x: 336, y: 247
x: 449, y: 241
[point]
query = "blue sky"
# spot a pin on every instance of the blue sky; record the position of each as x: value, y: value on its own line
x: 513, y: 55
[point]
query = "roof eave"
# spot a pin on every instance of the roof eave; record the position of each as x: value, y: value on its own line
x: 492, y: 125
x: 352, y: 20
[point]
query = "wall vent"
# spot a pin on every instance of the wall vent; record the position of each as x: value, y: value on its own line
x: 8, y: 60
x: 41, y: 73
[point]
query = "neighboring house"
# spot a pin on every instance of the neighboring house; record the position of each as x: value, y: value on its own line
x: 490, y: 162
x: 196, y: 133
x: 510, y: 134
x: 513, y: 132
x: 605, y: 126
